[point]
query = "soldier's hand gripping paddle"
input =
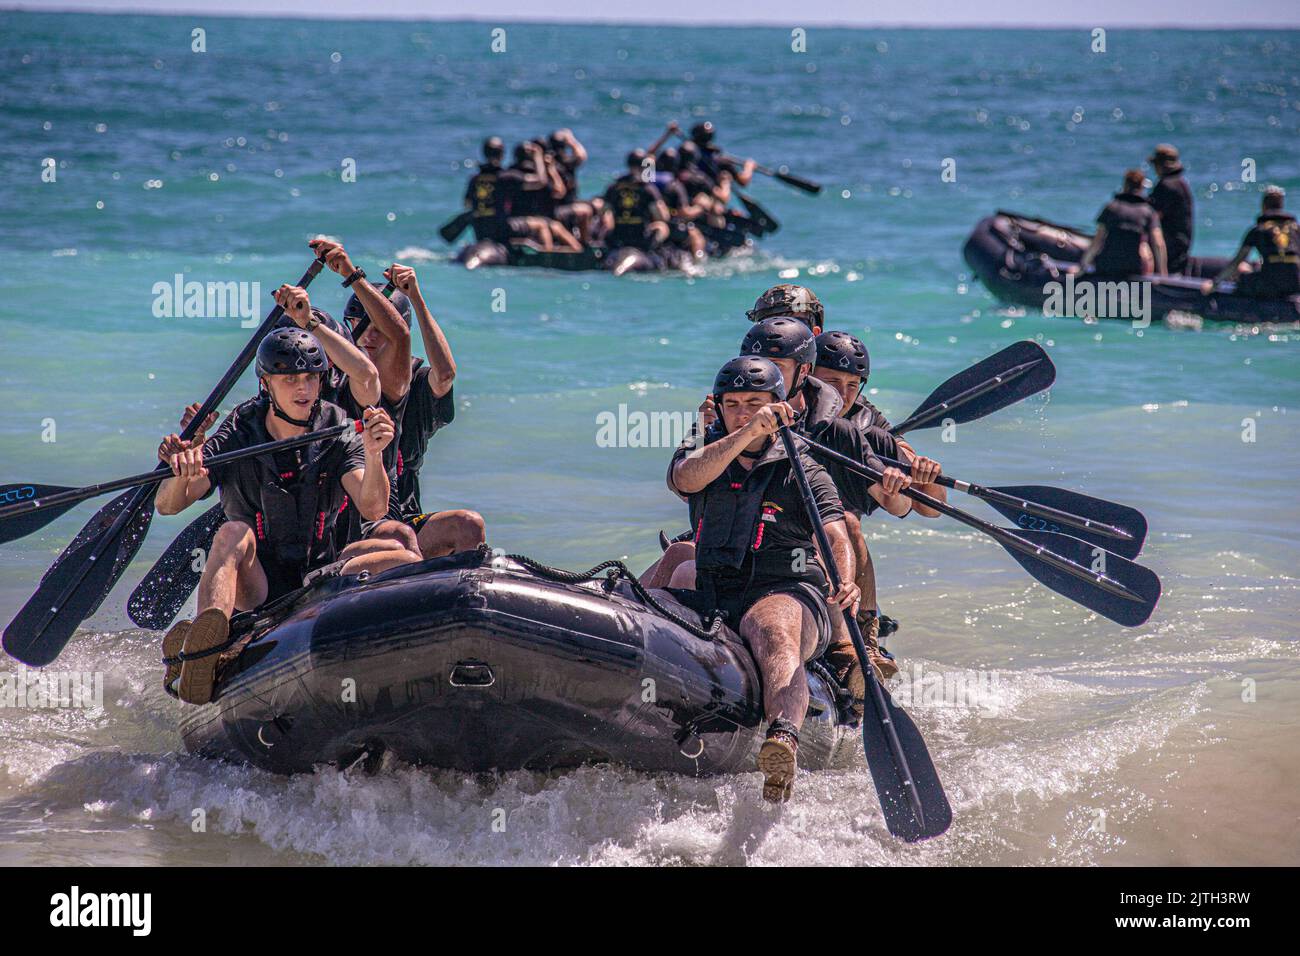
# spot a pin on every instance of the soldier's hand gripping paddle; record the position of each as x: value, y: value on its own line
x: 86, y: 571
x: 911, y: 794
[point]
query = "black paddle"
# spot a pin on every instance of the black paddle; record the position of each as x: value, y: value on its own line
x: 1002, y: 379
x: 452, y: 228
x: 1113, y: 526
x: 158, y: 598
x: 782, y: 173
x: 911, y: 794
x: 763, y: 221
x: 79, y: 580
x: 24, y: 517
x: 1086, y: 573
x: 161, y: 594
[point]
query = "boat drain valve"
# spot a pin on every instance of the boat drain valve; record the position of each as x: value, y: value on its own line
x: 471, y: 674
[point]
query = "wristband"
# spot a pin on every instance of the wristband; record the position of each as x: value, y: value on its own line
x: 359, y: 274
x: 311, y: 323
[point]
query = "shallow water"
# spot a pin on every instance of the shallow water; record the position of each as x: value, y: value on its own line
x: 1097, y: 744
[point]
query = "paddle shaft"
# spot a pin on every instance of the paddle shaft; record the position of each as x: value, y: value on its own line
x: 1000, y: 535
x: 144, y: 495
x: 789, y: 179
x: 926, y: 416
x: 156, y: 475
x: 992, y: 495
x: 855, y: 633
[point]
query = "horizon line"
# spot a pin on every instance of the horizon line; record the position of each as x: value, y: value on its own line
x: 560, y: 20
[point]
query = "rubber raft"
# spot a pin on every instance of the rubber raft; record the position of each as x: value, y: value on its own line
x: 1015, y: 257
x: 733, y: 240
x: 477, y: 663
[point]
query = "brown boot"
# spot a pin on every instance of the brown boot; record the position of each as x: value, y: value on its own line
x: 209, y: 632
x: 172, y: 646
x: 842, y: 659
x: 778, y: 759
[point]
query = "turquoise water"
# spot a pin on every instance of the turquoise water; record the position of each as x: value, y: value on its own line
x: 221, y: 165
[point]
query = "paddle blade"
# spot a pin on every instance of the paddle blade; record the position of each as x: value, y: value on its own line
x: 452, y: 228
x: 976, y: 392
x: 1128, y: 611
x: 24, y: 523
x: 76, y: 584
x: 763, y: 221
x: 158, y: 598
x: 1120, y: 517
x: 798, y: 182
x: 899, y: 817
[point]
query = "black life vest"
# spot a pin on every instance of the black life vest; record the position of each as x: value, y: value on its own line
x: 292, y: 513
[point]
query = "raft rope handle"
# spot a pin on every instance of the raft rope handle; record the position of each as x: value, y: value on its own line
x: 619, y: 570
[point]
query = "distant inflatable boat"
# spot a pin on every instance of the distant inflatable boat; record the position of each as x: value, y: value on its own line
x: 1022, y: 261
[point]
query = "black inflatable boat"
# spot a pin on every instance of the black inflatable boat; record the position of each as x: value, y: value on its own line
x: 732, y: 240
x: 479, y: 663
x: 1016, y: 257
x: 487, y: 252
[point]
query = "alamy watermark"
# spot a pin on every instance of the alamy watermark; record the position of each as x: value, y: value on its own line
x: 52, y: 690
x: 207, y: 300
x: 1098, y: 299
x: 640, y: 429
x: 966, y: 689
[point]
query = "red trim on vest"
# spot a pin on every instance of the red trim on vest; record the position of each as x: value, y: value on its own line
x: 261, y: 531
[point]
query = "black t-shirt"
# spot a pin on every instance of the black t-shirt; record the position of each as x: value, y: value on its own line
x: 1128, y: 219
x: 857, y: 441
x: 515, y: 199
x: 695, y: 182
x: 675, y: 197
x: 425, y: 414
x: 632, y: 203
x: 1276, y: 237
x: 482, y: 193
x: 1172, y: 200
x: 240, y: 483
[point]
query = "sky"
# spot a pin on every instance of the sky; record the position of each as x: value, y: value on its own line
x: 939, y: 13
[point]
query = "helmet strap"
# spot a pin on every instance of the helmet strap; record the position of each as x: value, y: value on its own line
x: 281, y: 414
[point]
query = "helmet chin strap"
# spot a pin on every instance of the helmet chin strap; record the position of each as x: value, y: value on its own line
x: 281, y: 414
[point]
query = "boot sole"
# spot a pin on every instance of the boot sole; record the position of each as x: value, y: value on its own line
x: 777, y: 762
x: 172, y: 646
x: 210, y: 629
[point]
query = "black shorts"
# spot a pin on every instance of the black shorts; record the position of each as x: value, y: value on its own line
x: 737, y: 604
x: 283, y: 577
x: 417, y: 521
x: 517, y: 228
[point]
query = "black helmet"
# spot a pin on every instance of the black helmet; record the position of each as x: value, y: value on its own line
x: 749, y: 373
x: 702, y: 133
x: 637, y: 158
x: 667, y: 161
x: 356, y: 316
x: 843, y: 353
x: 291, y: 352
x: 781, y: 338
x: 494, y: 148
x: 791, y: 300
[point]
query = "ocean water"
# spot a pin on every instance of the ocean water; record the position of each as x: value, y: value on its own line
x: 1173, y: 743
